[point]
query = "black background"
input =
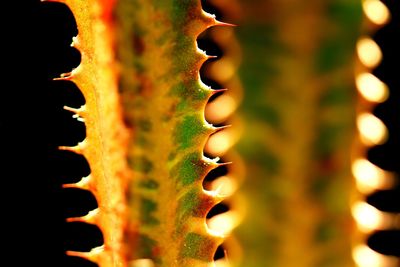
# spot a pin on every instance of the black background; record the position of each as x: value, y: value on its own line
x: 36, y: 41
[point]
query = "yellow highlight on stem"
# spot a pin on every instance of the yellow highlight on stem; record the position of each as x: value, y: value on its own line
x: 376, y: 11
x: 369, y: 52
x: 222, y: 263
x: 369, y: 177
x: 223, y: 69
x: 366, y: 257
x: 223, y: 223
x: 225, y: 185
x: 220, y: 142
x: 142, y: 263
x: 369, y: 218
x: 220, y: 109
x: 372, y: 130
x: 371, y: 88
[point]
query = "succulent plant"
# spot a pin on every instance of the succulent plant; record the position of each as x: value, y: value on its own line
x: 153, y: 127
x: 145, y: 130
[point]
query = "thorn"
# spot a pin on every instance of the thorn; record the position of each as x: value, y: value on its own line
x: 78, y: 112
x: 84, y: 183
x: 216, y: 91
x: 213, y: 163
x: 62, y: 79
x: 211, y: 56
x: 90, y: 217
x: 74, y: 110
x: 220, y: 23
x: 210, y: 163
x: 213, y: 129
x: 78, y: 118
x: 64, y: 76
x: 213, y: 91
x: 69, y: 75
x: 219, y: 128
x: 224, y: 163
x: 204, y: 55
x: 79, y: 148
x: 92, y: 255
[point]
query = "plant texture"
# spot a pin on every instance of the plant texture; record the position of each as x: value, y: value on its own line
x: 144, y: 116
x: 298, y: 109
x: 156, y: 135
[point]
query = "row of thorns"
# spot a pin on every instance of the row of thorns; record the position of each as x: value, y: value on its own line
x: 217, y: 72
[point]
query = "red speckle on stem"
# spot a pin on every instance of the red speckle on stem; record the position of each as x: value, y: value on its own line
x: 108, y: 8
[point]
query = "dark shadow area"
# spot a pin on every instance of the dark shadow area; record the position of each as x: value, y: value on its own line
x: 82, y: 237
x: 386, y: 242
x: 36, y: 49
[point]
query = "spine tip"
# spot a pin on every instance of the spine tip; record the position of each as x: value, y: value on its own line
x: 220, y: 23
